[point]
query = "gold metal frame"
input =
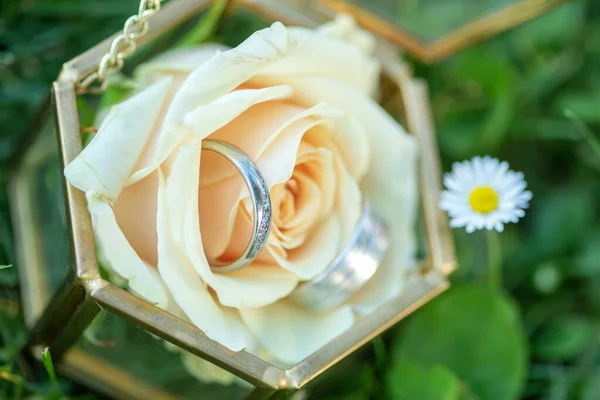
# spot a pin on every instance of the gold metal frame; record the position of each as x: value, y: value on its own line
x: 84, y: 292
x: 473, y: 32
x: 105, y: 377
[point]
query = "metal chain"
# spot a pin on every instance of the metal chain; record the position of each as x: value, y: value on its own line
x: 122, y: 46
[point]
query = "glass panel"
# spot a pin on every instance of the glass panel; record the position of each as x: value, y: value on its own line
x: 392, y: 101
x: 352, y: 378
x: 128, y: 359
x: 431, y: 19
x: 45, y: 241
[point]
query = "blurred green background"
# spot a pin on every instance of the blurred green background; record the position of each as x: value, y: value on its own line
x: 530, y: 96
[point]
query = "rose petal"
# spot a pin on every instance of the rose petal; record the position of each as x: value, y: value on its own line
x: 120, y: 255
x: 390, y: 183
x: 310, y: 52
x: 349, y: 139
x: 276, y: 163
x: 291, y: 332
x: 317, y: 252
x: 344, y: 27
x: 397, y: 201
x: 278, y: 160
x: 176, y: 64
x: 251, y: 129
x: 179, y: 61
x: 336, y: 185
x: 217, y: 210
x: 243, y: 225
x: 208, y: 119
x: 275, y: 50
x: 188, y: 289
x: 135, y: 211
x: 104, y: 166
x: 243, y: 229
x: 326, y: 240
x: 348, y: 201
x: 211, y: 81
x: 249, y: 287
x: 302, y: 208
x: 170, y: 305
x: 319, y: 164
x: 315, y: 167
x: 145, y: 159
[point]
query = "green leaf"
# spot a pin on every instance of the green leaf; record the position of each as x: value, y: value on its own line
x: 561, y: 219
x: 49, y: 366
x: 544, y: 75
x: 206, y: 27
x: 586, y: 105
x: 499, y: 118
x: 238, y: 26
x: 563, y: 338
x: 87, y: 113
x: 407, y: 380
x: 486, y: 81
x: 587, y: 263
x: 545, y: 129
x: 585, y: 132
x: 15, y: 380
x: 474, y: 332
x: 119, y: 88
x: 467, y: 394
x: 91, y: 9
x: 591, y: 387
x: 558, y: 26
x: 5, y: 266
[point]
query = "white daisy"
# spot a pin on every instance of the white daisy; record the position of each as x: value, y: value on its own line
x: 484, y: 193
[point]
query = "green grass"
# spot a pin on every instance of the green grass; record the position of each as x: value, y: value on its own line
x: 531, y: 97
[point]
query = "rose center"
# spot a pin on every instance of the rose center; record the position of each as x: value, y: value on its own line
x: 287, y: 207
x: 483, y: 199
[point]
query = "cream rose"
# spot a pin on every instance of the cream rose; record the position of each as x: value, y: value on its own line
x: 299, y: 103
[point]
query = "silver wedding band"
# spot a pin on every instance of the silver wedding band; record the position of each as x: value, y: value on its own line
x: 351, y: 269
x: 261, y: 202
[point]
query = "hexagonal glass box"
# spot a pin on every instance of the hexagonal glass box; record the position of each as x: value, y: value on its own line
x: 431, y: 30
x: 126, y: 347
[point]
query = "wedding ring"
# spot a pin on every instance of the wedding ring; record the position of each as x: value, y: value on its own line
x: 261, y: 202
x: 351, y: 269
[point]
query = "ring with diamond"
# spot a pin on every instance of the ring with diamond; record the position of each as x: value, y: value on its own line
x: 261, y: 202
x: 351, y: 269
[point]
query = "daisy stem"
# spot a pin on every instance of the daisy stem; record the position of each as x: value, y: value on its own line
x: 494, y: 254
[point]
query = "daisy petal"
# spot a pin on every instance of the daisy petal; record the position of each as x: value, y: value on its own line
x: 478, y: 173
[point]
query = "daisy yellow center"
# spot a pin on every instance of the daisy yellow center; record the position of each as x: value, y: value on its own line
x: 483, y: 199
